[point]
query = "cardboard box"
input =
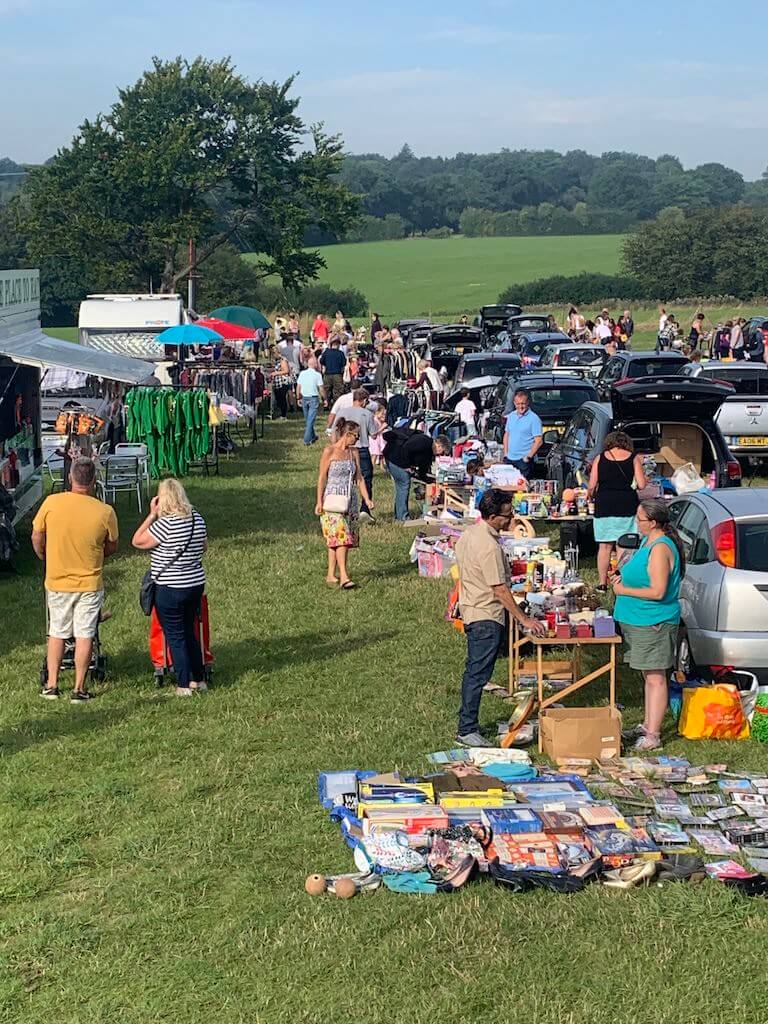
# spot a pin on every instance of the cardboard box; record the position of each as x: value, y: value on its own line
x: 581, y: 732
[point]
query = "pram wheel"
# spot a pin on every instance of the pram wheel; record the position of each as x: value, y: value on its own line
x: 208, y: 674
x: 159, y: 678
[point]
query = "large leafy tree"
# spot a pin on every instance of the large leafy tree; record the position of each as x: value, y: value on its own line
x: 713, y: 252
x: 192, y: 150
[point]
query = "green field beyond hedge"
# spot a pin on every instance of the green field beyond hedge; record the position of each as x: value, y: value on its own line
x: 440, y: 277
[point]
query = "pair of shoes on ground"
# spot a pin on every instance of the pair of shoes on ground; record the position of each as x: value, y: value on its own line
x: 77, y: 696
x: 473, y: 739
x: 190, y: 691
x: 349, y: 585
x: 641, y: 740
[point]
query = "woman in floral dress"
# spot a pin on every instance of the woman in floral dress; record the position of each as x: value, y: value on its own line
x: 338, y: 484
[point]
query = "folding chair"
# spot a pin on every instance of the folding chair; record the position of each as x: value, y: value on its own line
x: 54, y: 467
x: 141, y: 453
x: 122, y: 473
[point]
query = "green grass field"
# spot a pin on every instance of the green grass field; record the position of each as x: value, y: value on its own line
x: 439, y: 277
x: 154, y: 849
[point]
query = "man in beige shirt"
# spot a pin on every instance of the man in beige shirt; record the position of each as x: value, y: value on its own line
x: 485, y: 599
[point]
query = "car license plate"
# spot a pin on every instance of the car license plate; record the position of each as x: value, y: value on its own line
x: 755, y: 442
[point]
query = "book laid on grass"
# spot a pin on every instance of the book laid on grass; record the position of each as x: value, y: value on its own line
x: 712, y: 842
x: 534, y: 850
x: 706, y: 800
x: 729, y: 813
x: 511, y: 820
x: 727, y: 869
x: 668, y: 833
x: 560, y: 821
x: 600, y: 814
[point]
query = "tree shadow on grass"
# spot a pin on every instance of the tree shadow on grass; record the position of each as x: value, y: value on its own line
x: 273, y: 654
x: 80, y: 723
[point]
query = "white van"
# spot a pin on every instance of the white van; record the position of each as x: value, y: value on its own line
x: 128, y: 324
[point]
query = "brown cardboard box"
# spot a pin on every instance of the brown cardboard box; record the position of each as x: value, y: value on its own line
x: 581, y: 732
x: 680, y: 443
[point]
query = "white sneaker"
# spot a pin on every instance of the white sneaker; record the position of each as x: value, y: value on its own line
x: 184, y: 691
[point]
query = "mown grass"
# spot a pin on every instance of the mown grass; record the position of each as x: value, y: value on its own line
x: 444, y: 277
x: 154, y: 849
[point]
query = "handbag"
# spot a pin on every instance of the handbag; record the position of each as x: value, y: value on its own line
x: 338, y: 503
x: 148, y: 583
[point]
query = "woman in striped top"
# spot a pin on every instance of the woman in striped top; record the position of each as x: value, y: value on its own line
x: 176, y: 536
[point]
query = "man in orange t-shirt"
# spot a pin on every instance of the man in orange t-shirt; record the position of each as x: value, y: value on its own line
x: 73, y: 533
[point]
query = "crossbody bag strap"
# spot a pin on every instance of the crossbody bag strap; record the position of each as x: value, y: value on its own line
x: 180, y: 551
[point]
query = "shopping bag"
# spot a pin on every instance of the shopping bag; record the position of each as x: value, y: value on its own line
x: 453, y: 614
x: 713, y: 713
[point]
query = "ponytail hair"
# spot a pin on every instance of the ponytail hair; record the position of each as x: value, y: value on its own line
x: 658, y: 511
x: 343, y: 427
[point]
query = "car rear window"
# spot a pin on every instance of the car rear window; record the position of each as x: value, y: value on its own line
x: 582, y: 358
x: 650, y: 367
x: 752, y: 545
x: 746, y: 383
x: 489, y: 368
x: 561, y: 402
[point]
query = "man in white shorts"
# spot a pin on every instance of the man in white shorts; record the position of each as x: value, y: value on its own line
x: 73, y: 533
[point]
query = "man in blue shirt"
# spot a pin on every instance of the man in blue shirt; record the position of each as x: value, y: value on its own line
x: 309, y: 392
x: 333, y: 362
x: 523, y: 434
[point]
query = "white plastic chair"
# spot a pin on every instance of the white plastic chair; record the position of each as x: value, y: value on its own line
x: 122, y: 473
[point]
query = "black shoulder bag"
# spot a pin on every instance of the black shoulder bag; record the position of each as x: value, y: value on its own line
x: 148, y: 584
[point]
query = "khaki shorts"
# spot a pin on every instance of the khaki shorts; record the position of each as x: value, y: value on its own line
x: 74, y: 615
x: 650, y: 648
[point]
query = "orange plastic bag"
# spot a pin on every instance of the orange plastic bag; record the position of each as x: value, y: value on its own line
x: 713, y: 713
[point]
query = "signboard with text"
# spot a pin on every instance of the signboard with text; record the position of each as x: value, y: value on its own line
x: 19, y: 296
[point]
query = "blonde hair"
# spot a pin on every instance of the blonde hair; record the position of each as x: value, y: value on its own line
x: 172, y: 499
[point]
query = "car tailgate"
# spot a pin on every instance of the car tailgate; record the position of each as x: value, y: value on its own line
x: 740, y: 417
x: 744, y: 602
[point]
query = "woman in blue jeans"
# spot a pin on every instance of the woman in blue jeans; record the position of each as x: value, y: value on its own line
x: 176, y: 536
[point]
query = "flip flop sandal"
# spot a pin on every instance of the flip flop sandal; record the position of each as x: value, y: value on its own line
x: 364, y: 882
x: 349, y: 585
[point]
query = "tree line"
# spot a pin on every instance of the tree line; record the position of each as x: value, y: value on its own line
x: 531, y: 192
x: 710, y: 254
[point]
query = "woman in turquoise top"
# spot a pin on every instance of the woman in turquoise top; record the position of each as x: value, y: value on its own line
x: 648, y: 608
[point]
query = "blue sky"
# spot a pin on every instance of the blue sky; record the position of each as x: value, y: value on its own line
x: 650, y: 77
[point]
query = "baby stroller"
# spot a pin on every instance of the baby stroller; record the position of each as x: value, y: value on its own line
x: 97, y: 670
x: 160, y: 653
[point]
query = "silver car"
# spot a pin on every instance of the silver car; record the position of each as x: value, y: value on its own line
x: 724, y: 593
x: 580, y: 360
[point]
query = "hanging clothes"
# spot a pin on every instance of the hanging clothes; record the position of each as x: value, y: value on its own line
x: 172, y: 423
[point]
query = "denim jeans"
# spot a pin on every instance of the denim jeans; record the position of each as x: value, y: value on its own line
x: 366, y: 471
x: 484, y: 643
x: 309, y: 407
x: 402, y: 481
x: 177, y: 609
x: 523, y: 467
